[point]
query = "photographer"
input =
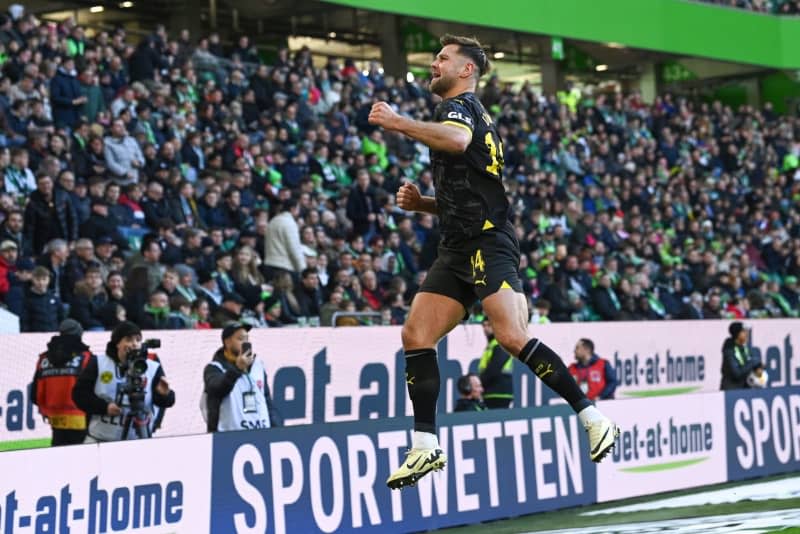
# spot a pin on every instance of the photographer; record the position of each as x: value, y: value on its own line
x: 119, y: 389
x: 237, y: 395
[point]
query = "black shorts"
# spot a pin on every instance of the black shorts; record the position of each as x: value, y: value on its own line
x: 476, y: 268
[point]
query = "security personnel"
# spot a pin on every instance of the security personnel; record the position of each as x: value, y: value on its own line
x: 471, y: 391
x: 237, y: 395
x: 97, y: 390
x: 495, y: 372
x: 56, y: 374
x: 595, y: 376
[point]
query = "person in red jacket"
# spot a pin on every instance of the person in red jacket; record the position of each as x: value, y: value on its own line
x: 595, y: 376
x: 56, y: 374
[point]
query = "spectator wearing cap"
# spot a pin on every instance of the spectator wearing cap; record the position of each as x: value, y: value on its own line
x: 207, y: 288
x: 236, y: 393
x: 223, y: 262
x: 66, y: 95
x: 737, y: 360
x: 283, y: 251
x: 273, y: 312
x: 123, y: 156
x: 104, y: 248
x: 230, y: 311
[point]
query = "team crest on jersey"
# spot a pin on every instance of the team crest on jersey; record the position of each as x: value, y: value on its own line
x: 106, y: 377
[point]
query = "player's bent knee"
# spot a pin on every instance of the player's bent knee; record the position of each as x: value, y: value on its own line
x: 511, y: 339
x: 414, y: 337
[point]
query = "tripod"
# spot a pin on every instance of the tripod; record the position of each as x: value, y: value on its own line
x: 137, y: 416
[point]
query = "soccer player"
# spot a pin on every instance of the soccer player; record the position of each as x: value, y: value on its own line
x: 478, y: 255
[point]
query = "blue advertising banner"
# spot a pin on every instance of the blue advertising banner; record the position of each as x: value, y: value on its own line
x: 331, y: 478
x: 763, y: 428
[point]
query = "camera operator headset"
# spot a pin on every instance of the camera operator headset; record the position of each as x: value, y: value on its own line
x: 101, y: 390
x: 236, y: 395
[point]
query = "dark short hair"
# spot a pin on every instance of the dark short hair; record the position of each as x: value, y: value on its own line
x: 588, y: 343
x: 471, y: 48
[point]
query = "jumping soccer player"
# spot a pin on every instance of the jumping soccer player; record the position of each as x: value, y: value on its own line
x: 478, y: 256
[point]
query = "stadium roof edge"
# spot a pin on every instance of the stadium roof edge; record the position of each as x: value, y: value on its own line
x: 672, y: 26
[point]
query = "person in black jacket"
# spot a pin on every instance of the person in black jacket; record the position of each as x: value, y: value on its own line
x: 361, y: 204
x: 308, y: 293
x: 144, y: 61
x: 49, y: 215
x: 103, y: 223
x: 605, y: 300
x: 42, y: 311
x: 737, y: 361
x: 66, y: 95
x: 237, y: 394
x: 155, y: 205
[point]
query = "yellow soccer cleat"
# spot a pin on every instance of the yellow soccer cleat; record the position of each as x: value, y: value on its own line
x: 419, y: 462
x: 602, y: 436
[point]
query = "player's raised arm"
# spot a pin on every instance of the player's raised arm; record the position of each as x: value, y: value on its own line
x: 439, y: 136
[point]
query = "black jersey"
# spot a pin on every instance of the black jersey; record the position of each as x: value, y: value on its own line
x: 470, y: 197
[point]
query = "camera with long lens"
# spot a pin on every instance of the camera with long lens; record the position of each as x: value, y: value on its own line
x: 135, y: 369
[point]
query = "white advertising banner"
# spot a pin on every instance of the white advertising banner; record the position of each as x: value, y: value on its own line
x: 345, y: 374
x: 153, y: 486
x: 663, y: 444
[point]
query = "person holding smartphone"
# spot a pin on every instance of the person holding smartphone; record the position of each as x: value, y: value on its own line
x: 236, y: 395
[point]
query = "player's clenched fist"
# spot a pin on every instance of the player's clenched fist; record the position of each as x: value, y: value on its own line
x: 408, y: 197
x: 383, y: 115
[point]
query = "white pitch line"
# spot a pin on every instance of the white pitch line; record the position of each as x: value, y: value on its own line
x: 749, y: 523
x: 788, y: 488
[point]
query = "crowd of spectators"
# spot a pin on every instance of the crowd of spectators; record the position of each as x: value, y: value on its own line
x: 180, y: 183
x: 778, y: 7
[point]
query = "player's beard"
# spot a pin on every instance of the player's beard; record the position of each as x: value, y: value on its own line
x: 442, y: 85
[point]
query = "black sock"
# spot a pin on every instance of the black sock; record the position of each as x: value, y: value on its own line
x: 422, y: 380
x: 551, y: 370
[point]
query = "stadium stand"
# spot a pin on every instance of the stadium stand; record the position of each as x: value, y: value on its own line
x: 180, y: 169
